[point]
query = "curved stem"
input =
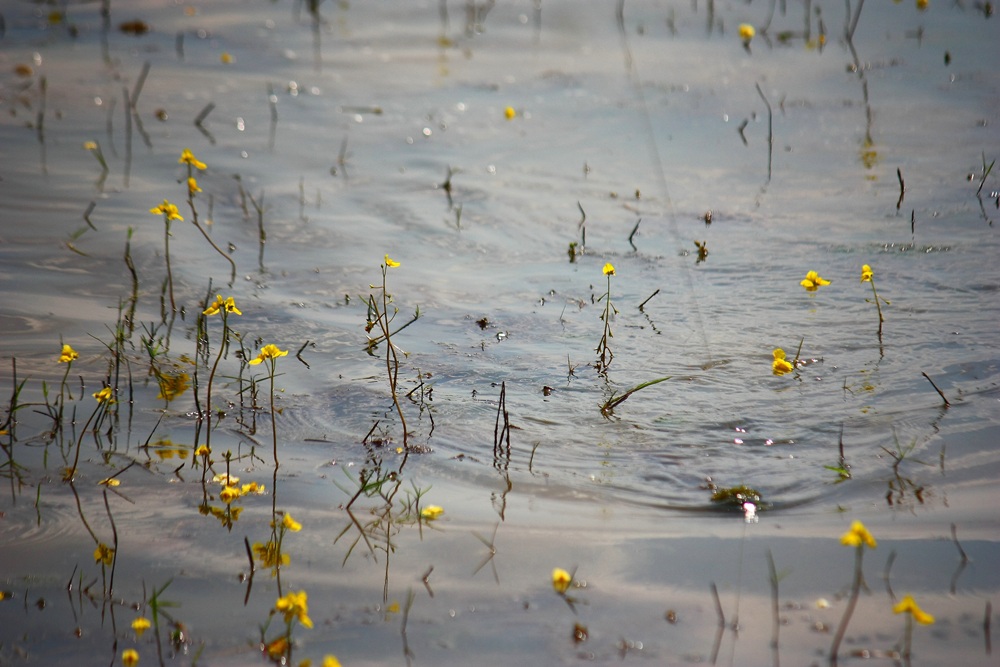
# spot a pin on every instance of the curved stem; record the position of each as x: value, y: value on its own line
x: 851, y: 603
x: 211, y: 378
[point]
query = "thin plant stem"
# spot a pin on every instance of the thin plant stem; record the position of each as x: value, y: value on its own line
x: 851, y: 603
x: 211, y: 378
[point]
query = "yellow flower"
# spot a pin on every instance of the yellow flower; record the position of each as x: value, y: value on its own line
x: 68, y: 355
x: 225, y: 479
x: 561, y: 579
x: 105, y: 396
x: 187, y: 157
x: 813, y: 281
x: 780, y: 366
x: 922, y: 4
x: 167, y: 209
x: 291, y: 524
x: 857, y: 536
x: 140, y: 625
x: 390, y: 262
x: 431, y: 512
x: 330, y: 661
x: 193, y: 186
x: 908, y: 605
x: 747, y: 32
x: 104, y: 554
x: 203, y: 450
x: 509, y: 113
x: 269, y: 351
x: 866, y: 274
x: 228, y: 305
x: 229, y: 494
x: 608, y: 269
x: 225, y: 58
x: 295, y: 605
x: 90, y: 145
x: 130, y: 657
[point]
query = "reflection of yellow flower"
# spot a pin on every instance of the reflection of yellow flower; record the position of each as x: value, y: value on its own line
x: 295, y: 605
x: 105, y: 395
x: 268, y: 555
x: 203, y: 450
x: 193, y: 186
x: 608, y: 269
x: 857, y: 536
x: 140, y: 625
x: 167, y: 209
x: 813, y: 281
x: 228, y: 305
x: 171, y: 386
x: 290, y: 524
x: 229, y: 494
x: 780, y: 366
x: 130, y: 657
x: 747, y: 32
x: 561, y: 579
x: 90, y: 145
x: 187, y: 157
x: 390, y: 262
x: 225, y: 479
x: 68, y: 355
x: 252, y: 487
x: 431, y: 512
x: 922, y: 4
x: 269, y: 351
x: 104, y: 554
x: 908, y: 605
x: 866, y: 274
x: 330, y: 661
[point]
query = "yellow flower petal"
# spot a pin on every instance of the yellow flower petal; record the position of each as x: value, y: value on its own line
x: 68, y: 355
x: 866, y: 274
x: 130, y: 657
x: 291, y: 524
x: 561, y: 579
x: 608, y: 269
x: 390, y: 262
x: 909, y: 606
x: 140, y: 625
x: 858, y: 535
x: 747, y: 32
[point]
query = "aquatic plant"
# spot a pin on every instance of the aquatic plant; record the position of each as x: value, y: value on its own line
x: 859, y: 538
x: 868, y: 276
x: 269, y: 354
x: 913, y: 613
x: 222, y: 308
x: 813, y: 281
x: 604, y: 354
x: 170, y: 213
x: 780, y: 365
x: 378, y: 315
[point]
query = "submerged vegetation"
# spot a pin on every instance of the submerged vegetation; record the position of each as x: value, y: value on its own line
x: 146, y: 474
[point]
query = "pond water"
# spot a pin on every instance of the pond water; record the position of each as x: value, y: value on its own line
x: 503, y: 154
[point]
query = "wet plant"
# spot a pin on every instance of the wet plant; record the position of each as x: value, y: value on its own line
x: 170, y: 213
x: 269, y: 356
x: 105, y: 399
x: 221, y: 307
x: 67, y: 356
x: 604, y: 354
x: 378, y: 315
x: 859, y: 538
x: 913, y: 613
x: 868, y: 276
x: 194, y: 165
x: 617, y: 399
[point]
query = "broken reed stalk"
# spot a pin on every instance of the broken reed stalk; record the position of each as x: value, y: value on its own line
x: 613, y: 402
x: 940, y: 393
x: 500, y: 434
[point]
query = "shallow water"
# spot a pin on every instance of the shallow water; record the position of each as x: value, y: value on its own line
x: 366, y: 134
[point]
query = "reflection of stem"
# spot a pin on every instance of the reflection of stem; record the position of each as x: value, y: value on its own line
x: 776, y: 621
x: 851, y: 603
x: 274, y: 425
x: 71, y: 473
x: 166, y: 251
